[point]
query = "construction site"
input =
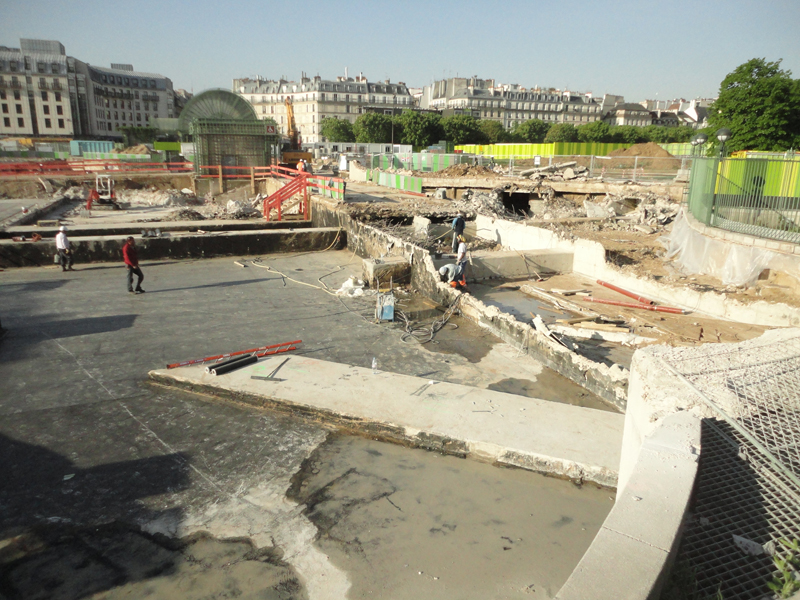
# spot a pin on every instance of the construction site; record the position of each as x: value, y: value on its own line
x: 302, y: 405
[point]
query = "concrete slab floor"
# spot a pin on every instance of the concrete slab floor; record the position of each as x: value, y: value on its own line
x: 84, y: 443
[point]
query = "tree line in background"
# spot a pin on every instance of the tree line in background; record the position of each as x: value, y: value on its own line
x: 758, y: 101
x: 421, y: 129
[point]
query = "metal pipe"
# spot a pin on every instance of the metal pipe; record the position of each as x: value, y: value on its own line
x: 611, y: 286
x: 236, y: 364
x: 230, y: 354
x: 225, y: 363
x: 666, y: 309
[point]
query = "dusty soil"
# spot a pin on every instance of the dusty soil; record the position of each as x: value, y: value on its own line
x: 462, y: 170
x: 649, y: 149
x: 412, y: 524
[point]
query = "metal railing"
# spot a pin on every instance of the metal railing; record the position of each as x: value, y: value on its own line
x: 753, y: 196
x: 83, y: 167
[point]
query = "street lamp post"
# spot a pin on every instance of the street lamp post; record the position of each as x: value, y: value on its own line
x: 723, y: 135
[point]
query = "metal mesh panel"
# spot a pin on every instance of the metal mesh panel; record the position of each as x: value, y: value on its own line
x: 233, y: 143
x: 749, y: 479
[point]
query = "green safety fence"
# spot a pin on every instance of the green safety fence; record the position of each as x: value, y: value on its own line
x: 32, y: 154
x: 531, y: 150
x: 426, y: 162
x: 754, y: 196
x: 392, y: 180
x: 682, y: 149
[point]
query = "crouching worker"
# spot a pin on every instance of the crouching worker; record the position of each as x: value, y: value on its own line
x: 454, y: 276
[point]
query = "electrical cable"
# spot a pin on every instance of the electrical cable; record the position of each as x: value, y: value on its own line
x: 421, y: 332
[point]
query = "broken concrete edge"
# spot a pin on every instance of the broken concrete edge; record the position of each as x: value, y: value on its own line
x: 37, y: 213
x: 633, y: 552
x: 590, y: 260
x: 406, y: 436
x: 240, y: 243
x: 609, y: 383
x: 216, y: 225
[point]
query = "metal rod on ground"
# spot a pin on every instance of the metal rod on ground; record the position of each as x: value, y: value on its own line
x: 666, y: 309
x: 278, y: 351
x: 230, y: 354
x: 611, y: 286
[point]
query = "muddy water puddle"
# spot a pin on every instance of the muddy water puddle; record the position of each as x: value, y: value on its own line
x: 114, y: 562
x: 407, y: 523
x: 510, y: 300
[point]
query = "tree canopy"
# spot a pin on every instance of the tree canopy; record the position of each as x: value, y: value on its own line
x: 463, y: 129
x: 419, y: 129
x: 494, y: 131
x: 335, y: 129
x: 374, y: 128
x: 532, y: 131
x: 760, y: 103
x: 594, y: 132
x: 562, y: 132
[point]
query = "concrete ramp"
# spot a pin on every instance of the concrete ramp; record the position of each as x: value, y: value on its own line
x: 581, y: 444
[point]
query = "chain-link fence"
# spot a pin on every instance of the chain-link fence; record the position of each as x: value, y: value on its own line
x: 747, y: 497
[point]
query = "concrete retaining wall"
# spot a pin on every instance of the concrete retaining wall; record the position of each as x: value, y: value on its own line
x: 610, y: 383
x: 632, y: 553
x: 109, y: 248
x: 589, y: 260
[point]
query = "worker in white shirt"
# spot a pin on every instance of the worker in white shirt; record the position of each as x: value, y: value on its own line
x: 64, y: 248
x: 461, y: 259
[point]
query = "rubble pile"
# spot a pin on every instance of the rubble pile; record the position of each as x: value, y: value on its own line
x: 646, y: 211
x: 568, y: 171
x: 465, y: 170
x: 184, y: 214
x: 151, y: 197
x: 485, y: 203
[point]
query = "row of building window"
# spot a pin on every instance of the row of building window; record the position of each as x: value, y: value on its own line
x: 15, y: 66
x: 21, y: 123
x: 345, y: 98
x: 106, y: 114
x: 131, y: 81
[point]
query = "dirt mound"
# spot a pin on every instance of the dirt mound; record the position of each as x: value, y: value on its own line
x: 184, y: 214
x: 650, y: 150
x: 140, y: 149
x: 463, y: 170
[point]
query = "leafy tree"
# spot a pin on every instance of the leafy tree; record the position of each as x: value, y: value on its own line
x: 373, y: 128
x: 594, y: 132
x: 463, y: 129
x: 760, y: 103
x: 562, y: 132
x: 532, y: 131
x: 627, y: 134
x: 494, y: 131
x: 335, y: 129
x: 419, y: 129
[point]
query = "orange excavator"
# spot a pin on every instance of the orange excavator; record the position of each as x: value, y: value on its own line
x: 292, y: 151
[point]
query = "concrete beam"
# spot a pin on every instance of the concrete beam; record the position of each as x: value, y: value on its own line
x: 182, y: 245
x: 549, y: 437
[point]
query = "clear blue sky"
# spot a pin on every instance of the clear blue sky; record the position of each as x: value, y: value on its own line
x: 637, y: 49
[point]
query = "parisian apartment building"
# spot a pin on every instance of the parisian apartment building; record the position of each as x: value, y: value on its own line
x: 314, y: 99
x: 44, y: 92
x: 510, y: 103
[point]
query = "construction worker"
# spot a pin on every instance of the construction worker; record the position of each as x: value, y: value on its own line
x: 458, y: 225
x: 64, y: 248
x: 461, y: 259
x: 301, y: 165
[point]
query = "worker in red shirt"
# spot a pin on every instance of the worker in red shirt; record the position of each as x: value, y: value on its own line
x: 132, y: 262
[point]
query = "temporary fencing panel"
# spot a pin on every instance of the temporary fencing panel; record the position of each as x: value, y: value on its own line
x: 754, y: 196
x: 531, y: 150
